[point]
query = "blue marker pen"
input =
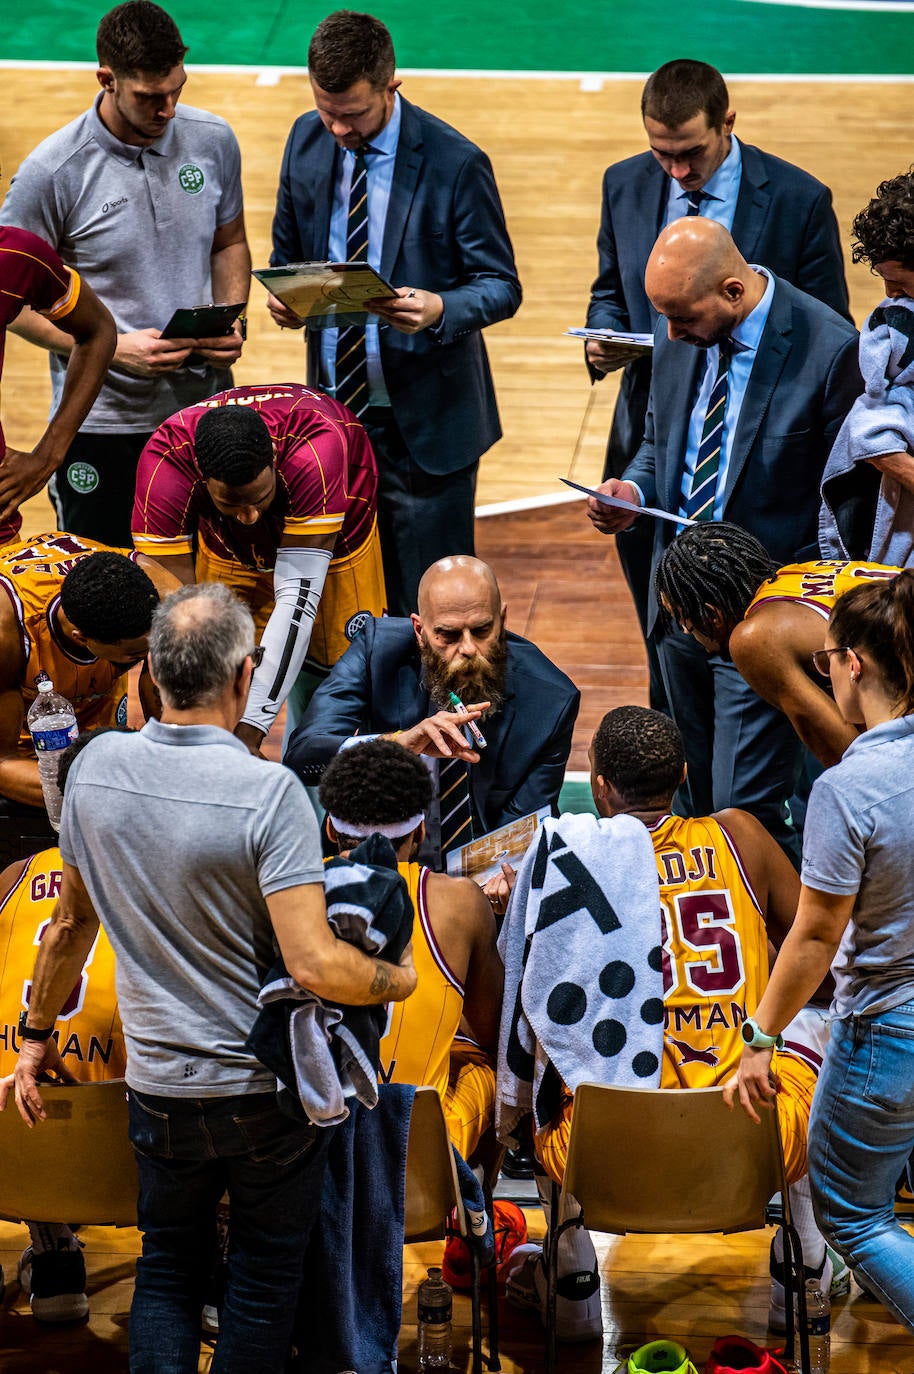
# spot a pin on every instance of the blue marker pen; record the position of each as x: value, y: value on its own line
x: 471, y: 725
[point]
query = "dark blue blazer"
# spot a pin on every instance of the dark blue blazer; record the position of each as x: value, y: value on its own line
x: 445, y: 232
x: 377, y: 687
x: 804, y: 381
x: 784, y: 220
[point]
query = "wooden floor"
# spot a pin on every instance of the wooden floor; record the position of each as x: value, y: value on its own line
x: 549, y: 142
x: 688, y: 1289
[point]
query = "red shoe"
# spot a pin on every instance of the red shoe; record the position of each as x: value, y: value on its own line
x: 510, y: 1232
x: 733, y: 1354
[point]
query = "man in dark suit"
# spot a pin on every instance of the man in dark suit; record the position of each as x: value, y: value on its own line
x: 396, y: 677
x: 434, y: 228
x: 777, y: 214
x: 751, y: 381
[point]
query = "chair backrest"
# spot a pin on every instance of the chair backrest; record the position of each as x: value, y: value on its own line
x: 656, y: 1160
x: 431, y: 1175
x: 77, y: 1166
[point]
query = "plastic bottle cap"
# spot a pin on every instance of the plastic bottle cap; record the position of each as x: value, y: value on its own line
x: 46, y: 685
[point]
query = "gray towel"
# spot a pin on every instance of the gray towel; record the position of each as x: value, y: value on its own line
x: 583, y: 982
x: 881, y: 421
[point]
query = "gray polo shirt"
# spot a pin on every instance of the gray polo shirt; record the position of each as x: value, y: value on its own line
x: 138, y: 225
x: 179, y: 835
x: 857, y: 839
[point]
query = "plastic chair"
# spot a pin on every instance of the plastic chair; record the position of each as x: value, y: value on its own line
x: 431, y: 1193
x: 683, y: 1163
x: 77, y: 1166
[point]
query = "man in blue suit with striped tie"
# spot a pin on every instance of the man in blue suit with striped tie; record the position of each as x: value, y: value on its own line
x: 751, y: 380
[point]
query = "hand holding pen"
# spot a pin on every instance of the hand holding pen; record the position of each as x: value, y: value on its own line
x: 442, y: 735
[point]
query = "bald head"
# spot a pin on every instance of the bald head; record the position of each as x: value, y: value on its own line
x: 200, y: 637
x: 458, y: 579
x: 460, y: 631
x: 697, y: 278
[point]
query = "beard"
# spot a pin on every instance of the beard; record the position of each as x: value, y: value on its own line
x: 481, y: 678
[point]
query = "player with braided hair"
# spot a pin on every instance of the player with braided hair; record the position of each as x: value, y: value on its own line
x: 273, y: 491
x: 719, y: 584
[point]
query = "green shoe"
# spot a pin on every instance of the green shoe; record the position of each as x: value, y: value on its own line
x: 660, y: 1357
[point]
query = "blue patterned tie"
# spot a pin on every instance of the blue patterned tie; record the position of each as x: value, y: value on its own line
x: 693, y: 203
x: 351, y: 358
x: 699, y: 504
x: 454, y: 801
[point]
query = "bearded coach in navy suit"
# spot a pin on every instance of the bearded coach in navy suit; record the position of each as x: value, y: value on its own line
x: 776, y: 213
x: 436, y: 231
x: 751, y: 381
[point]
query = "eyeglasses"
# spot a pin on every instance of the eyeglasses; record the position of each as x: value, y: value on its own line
x: 821, y: 659
x: 256, y: 657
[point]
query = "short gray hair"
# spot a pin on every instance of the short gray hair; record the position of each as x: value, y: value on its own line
x: 200, y: 635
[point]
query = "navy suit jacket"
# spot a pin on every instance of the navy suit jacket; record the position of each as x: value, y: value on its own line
x: 445, y: 232
x: 377, y: 687
x: 784, y: 220
x: 804, y: 380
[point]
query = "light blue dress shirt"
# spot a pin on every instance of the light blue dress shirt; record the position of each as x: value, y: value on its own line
x: 720, y: 192
x: 379, y: 166
x: 745, y: 339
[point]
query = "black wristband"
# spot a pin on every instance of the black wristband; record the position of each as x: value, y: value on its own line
x: 32, y: 1032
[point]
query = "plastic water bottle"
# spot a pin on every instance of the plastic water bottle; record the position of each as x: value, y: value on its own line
x: 435, y: 1306
x: 818, y: 1324
x: 52, y: 724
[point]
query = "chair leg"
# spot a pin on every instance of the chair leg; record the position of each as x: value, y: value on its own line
x: 795, y: 1285
x: 493, y: 1361
x: 476, y: 1310
x: 552, y: 1266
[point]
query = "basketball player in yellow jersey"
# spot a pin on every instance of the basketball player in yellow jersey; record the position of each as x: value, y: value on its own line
x: 80, y: 614
x: 91, y: 1047
x: 720, y: 585
x: 444, y: 1035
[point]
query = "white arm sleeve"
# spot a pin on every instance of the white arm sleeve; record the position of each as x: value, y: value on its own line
x: 298, y: 581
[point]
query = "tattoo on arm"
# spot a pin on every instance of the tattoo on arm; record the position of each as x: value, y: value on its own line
x: 383, y: 980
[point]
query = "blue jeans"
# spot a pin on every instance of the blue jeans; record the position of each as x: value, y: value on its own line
x: 189, y: 1151
x: 861, y: 1133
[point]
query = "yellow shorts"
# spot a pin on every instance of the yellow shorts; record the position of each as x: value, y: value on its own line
x: 469, y: 1103
x: 354, y: 588
x: 797, y: 1082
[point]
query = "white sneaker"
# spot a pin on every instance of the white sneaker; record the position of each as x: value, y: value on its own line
x: 578, y: 1312
x: 834, y: 1278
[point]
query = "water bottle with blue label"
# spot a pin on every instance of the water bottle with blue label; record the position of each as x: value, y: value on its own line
x: 52, y: 725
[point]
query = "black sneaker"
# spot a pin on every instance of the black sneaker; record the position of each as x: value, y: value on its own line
x: 55, y: 1281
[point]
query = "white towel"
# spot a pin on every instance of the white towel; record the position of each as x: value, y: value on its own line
x: 581, y: 945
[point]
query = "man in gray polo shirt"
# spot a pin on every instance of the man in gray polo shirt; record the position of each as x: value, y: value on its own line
x: 143, y: 198
x: 196, y: 857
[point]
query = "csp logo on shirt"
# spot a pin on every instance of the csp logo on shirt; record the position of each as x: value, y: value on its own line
x: 83, y: 477
x: 191, y: 179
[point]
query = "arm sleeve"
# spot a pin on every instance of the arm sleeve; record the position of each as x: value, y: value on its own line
x: 298, y: 582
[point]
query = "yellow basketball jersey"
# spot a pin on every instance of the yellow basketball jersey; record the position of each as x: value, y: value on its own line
x: 715, y: 951
x: 417, y: 1043
x: 31, y: 574
x: 89, y: 1032
x: 817, y: 585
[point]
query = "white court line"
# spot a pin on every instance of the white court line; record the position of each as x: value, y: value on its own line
x: 591, y: 81
x: 521, y: 503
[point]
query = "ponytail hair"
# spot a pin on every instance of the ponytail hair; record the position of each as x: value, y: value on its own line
x: 877, y: 618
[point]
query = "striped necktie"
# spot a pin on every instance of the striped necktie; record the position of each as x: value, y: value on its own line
x: 699, y: 503
x: 454, y: 803
x: 693, y: 203
x: 351, y: 358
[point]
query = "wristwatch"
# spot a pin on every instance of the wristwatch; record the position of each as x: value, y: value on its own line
x: 756, y: 1037
x: 32, y: 1032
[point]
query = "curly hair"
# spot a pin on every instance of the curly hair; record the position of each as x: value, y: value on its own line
x: 884, y: 231
x: 232, y: 445
x: 710, y: 565
x: 139, y: 37
x: 641, y: 753
x: 375, y: 783
x: 108, y: 598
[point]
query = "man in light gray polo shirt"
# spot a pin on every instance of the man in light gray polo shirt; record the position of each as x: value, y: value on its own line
x: 143, y: 198
x: 196, y: 857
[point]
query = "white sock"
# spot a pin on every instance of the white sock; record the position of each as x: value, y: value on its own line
x: 576, y: 1252
x: 50, y: 1235
x: 804, y: 1220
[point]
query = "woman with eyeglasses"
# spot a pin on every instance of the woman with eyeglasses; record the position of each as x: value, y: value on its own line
x: 856, y: 914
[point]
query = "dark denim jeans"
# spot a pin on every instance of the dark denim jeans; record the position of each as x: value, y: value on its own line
x: 189, y: 1151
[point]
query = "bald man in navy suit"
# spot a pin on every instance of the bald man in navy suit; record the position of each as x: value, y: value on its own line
x: 437, y: 233
x: 777, y: 215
